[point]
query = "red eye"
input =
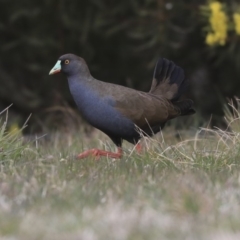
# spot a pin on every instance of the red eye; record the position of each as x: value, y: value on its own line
x: 67, y: 61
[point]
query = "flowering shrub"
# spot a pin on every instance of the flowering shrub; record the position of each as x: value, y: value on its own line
x: 221, y: 22
x: 218, y: 21
x: 236, y: 18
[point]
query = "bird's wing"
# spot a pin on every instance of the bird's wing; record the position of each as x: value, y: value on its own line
x: 144, y: 109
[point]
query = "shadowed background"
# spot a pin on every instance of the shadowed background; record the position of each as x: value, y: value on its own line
x: 121, y: 41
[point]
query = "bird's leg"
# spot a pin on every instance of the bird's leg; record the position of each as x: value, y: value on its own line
x: 97, y: 153
x: 139, y: 148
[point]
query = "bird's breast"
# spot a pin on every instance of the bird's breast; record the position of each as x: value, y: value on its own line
x: 100, y: 112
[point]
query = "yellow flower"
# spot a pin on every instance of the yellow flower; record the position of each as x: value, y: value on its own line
x: 210, y: 39
x: 236, y: 18
x: 219, y: 24
x: 215, y: 6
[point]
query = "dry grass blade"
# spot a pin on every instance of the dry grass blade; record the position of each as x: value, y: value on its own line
x: 187, y: 189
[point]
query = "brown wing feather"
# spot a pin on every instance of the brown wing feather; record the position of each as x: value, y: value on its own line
x: 145, y: 109
x: 142, y: 108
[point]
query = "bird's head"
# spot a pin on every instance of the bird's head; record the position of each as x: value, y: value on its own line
x: 70, y: 64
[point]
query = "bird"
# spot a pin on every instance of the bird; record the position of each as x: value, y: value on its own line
x: 124, y: 113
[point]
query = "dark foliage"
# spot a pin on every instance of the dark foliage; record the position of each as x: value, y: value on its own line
x: 120, y: 40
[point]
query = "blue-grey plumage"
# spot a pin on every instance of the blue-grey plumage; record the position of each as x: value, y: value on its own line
x: 117, y: 110
x: 100, y: 111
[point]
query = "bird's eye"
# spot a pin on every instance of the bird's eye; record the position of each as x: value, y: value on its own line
x: 66, y: 61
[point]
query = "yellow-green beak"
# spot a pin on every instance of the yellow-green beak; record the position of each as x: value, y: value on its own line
x: 56, y: 68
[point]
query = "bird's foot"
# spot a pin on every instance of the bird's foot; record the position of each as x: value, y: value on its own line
x: 139, y: 148
x: 97, y: 153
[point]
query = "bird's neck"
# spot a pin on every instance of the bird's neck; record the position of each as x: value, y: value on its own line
x: 79, y: 84
x: 80, y: 87
x: 85, y: 95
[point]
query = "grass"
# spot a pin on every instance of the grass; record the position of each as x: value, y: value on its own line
x: 187, y: 188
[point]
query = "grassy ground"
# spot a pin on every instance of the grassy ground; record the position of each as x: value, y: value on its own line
x: 178, y: 188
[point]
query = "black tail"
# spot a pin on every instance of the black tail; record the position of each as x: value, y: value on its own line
x: 168, y: 80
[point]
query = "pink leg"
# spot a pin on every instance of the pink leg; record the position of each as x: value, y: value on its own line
x: 97, y: 153
x: 139, y: 148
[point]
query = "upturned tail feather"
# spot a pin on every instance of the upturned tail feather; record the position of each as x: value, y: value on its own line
x: 168, y: 80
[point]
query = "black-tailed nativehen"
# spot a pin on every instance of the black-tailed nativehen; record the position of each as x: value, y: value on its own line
x: 121, y: 112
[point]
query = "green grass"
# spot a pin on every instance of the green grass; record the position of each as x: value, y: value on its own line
x: 176, y: 189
